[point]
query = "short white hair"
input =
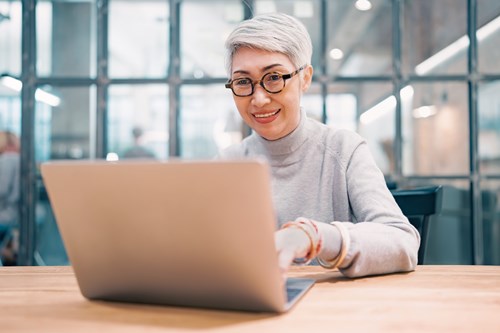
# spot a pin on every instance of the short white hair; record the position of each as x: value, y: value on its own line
x: 275, y: 32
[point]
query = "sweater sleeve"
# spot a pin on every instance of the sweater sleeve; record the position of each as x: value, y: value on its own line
x: 382, y: 240
x: 7, y: 168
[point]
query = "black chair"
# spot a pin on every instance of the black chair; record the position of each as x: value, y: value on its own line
x: 5, y: 237
x: 419, y: 204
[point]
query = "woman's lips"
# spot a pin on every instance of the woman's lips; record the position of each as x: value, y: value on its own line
x: 266, y: 117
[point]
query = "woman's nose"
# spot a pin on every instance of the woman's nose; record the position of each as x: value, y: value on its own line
x: 260, y: 96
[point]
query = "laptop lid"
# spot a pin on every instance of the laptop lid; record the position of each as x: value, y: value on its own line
x: 188, y: 233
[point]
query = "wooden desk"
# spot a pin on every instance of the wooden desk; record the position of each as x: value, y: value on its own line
x: 431, y: 299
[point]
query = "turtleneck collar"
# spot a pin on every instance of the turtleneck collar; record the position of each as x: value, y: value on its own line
x: 287, y: 144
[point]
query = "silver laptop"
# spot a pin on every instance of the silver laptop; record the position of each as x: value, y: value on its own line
x: 184, y: 233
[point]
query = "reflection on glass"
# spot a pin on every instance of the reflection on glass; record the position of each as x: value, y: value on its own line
x: 204, y: 29
x: 313, y: 103
x: 359, y: 41
x: 435, y: 129
x: 491, y: 221
x: 340, y: 107
x: 432, y: 45
x: 209, y: 121
x: 10, y: 37
x: 489, y: 127
x: 488, y: 35
x: 138, y: 38
x: 342, y: 111
x: 307, y: 11
x: 49, y: 246
x: 63, y: 129
x: 138, y: 121
x: 372, y: 101
x: 66, y: 36
x: 10, y: 108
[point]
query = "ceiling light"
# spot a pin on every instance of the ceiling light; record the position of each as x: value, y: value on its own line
x: 11, y: 83
x: 40, y: 94
x: 336, y: 54
x: 442, y: 56
x: 406, y: 93
x: 384, y: 107
x: 488, y: 29
x: 363, y: 5
x: 424, y: 111
x: 112, y: 157
x: 47, y: 98
x: 460, y: 45
x: 378, y: 111
x: 198, y: 74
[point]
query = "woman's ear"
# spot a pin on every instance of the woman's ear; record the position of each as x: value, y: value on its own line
x: 307, y: 78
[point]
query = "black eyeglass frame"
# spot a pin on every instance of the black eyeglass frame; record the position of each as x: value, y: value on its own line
x: 285, y: 77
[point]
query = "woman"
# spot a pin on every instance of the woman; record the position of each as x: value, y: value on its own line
x: 332, y: 203
x: 9, y: 177
x: 9, y: 193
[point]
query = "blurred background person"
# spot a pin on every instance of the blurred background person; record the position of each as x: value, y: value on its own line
x: 138, y: 150
x: 9, y: 195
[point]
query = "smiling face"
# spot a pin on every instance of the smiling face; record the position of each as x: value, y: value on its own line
x: 272, y: 116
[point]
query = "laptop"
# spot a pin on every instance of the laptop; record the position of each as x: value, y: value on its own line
x: 182, y: 233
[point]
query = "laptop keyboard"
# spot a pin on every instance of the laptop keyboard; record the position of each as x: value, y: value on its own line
x: 291, y: 293
x: 295, y: 287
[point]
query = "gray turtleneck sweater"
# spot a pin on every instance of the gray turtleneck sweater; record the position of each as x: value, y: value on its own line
x: 329, y: 175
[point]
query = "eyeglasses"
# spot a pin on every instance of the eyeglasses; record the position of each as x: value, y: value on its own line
x: 271, y: 82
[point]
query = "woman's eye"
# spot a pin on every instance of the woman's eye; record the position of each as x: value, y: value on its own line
x: 273, y: 77
x: 241, y: 82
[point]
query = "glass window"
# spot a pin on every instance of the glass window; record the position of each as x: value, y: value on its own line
x: 375, y: 105
x: 307, y: 11
x: 204, y: 27
x: 49, y: 246
x: 489, y: 127
x: 488, y: 36
x: 359, y: 38
x: 63, y: 127
x: 138, y: 121
x: 435, y: 37
x: 10, y: 149
x: 490, y: 196
x: 10, y: 104
x: 138, y: 38
x: 312, y: 102
x: 209, y: 120
x: 63, y: 130
x: 342, y: 111
x: 66, y: 38
x: 10, y: 37
x: 449, y: 235
x: 435, y: 129
x: 358, y: 43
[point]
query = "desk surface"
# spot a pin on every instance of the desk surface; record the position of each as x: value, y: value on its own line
x: 431, y: 299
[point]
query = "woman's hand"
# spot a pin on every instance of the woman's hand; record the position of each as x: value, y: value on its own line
x: 290, y: 243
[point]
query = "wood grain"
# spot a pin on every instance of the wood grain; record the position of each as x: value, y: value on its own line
x: 431, y: 299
